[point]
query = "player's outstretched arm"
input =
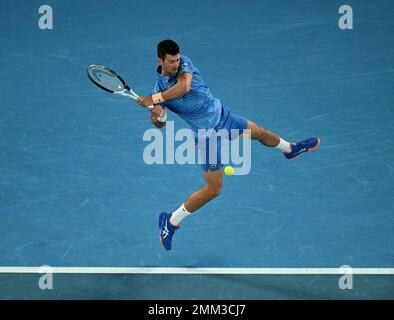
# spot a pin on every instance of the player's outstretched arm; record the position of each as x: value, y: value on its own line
x: 181, y: 87
x: 177, y: 90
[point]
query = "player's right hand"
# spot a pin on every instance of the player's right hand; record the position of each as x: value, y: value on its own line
x: 145, y: 101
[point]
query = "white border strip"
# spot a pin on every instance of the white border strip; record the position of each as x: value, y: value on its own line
x: 246, y: 271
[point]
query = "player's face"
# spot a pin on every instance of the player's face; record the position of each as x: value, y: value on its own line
x: 170, y: 64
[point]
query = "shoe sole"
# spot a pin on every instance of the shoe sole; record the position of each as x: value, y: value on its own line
x: 315, y: 147
x: 161, y: 242
x: 309, y: 150
x: 163, y: 245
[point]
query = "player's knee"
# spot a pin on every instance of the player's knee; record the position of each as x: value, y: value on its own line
x: 258, y: 132
x: 213, y: 191
x: 263, y: 132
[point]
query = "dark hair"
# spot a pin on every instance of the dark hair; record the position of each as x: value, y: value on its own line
x: 167, y: 47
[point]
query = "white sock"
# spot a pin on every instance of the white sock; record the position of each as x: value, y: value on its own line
x: 178, y: 215
x: 284, y: 145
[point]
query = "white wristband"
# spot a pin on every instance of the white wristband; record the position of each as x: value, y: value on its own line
x: 163, y: 117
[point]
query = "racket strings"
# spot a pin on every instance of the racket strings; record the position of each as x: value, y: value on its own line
x: 106, y: 79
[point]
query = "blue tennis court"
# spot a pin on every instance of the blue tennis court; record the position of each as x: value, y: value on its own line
x: 75, y: 191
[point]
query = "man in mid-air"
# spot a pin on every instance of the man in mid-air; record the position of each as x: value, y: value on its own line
x: 181, y: 89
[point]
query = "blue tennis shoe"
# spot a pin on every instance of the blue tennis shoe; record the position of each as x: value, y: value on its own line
x: 167, y: 230
x: 297, y: 148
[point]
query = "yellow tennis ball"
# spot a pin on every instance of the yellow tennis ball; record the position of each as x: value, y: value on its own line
x: 228, y: 170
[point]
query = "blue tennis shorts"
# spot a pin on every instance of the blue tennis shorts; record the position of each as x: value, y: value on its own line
x: 227, y: 121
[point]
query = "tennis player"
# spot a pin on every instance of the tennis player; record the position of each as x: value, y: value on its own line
x: 181, y: 89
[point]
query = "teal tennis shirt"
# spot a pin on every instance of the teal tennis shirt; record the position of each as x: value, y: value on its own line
x: 198, y: 107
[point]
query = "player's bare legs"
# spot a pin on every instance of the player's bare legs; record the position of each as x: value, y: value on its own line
x: 211, y: 189
x: 169, y: 222
x: 271, y: 139
x: 264, y: 136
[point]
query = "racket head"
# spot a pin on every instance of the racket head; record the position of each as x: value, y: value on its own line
x: 106, y: 78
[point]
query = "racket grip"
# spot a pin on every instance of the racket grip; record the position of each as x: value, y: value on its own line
x: 150, y: 107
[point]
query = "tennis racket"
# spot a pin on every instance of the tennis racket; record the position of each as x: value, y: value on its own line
x: 108, y: 80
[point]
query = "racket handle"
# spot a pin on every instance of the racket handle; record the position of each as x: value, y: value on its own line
x: 134, y: 97
x: 125, y: 94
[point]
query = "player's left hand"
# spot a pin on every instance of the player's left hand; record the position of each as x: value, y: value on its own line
x: 157, y: 110
x: 145, y: 101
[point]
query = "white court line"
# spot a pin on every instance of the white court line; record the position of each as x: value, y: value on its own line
x: 245, y: 271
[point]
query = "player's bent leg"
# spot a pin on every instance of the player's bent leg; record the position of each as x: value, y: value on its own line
x: 211, y: 189
x: 271, y: 139
x: 264, y: 136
